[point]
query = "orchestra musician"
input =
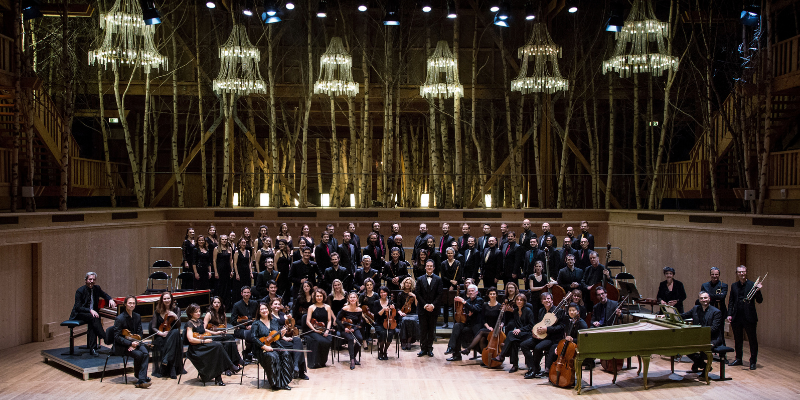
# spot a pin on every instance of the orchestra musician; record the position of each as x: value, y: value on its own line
x: 445, y: 239
x: 337, y: 298
x: 517, y: 331
x: 409, y: 323
x: 201, y: 264
x: 215, y: 317
x: 381, y: 309
x: 366, y: 298
x: 452, y: 274
x: 381, y: 243
x: 267, y: 274
x: 352, y: 331
x: 244, y: 310
x: 336, y: 272
x: 705, y: 314
x: 133, y: 348
x: 472, y: 259
x: 283, y: 234
x: 604, y: 311
x: 223, y: 269
x: 243, y: 271
x: 272, y: 294
x: 323, y: 253
x: 365, y: 272
x: 283, y: 264
x: 86, y: 307
x: 569, y: 277
x: 538, y: 283
x: 319, y: 340
x: 354, y: 239
x: 529, y: 260
x: 464, y: 332
x: 574, y: 241
x: 586, y: 235
x: 303, y: 270
x: 483, y: 241
x: 742, y: 315
x: 582, y: 255
x: 167, y: 343
x: 670, y: 291
x: 207, y: 355
x: 293, y: 342
x: 491, y: 263
x: 527, y: 235
x: 533, y: 348
x: 422, y: 239
x: 262, y: 254
x: 546, y: 234
x: 302, y: 302
x: 395, y: 270
x: 390, y: 241
x: 717, y: 289
x: 349, y: 254
x: 418, y: 263
x: 593, y: 274
x: 511, y: 270
x: 429, y: 294
x: 571, y: 317
x: 277, y: 364
x: 491, y: 311
x: 374, y: 249
x: 187, y: 250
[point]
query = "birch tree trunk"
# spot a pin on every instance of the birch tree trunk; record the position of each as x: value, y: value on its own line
x: 66, y: 133
x: 138, y: 186
x: 562, y: 171
x: 508, y: 182
x: 635, y: 133
x: 334, y: 148
x: 611, y: 148
x: 353, y: 186
x: 307, y: 112
x: 148, y: 156
x: 764, y: 151
x: 458, y: 170
x: 436, y: 167
x: 227, y: 104
x: 516, y: 173
x: 106, y: 156
x: 201, y: 120
x: 319, y: 170
x: 536, y: 162
x: 175, y: 162
x: 274, y: 191
x: 214, y: 139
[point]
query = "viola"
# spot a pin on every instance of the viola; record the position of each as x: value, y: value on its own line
x: 407, y: 306
x: 459, y: 313
x: 242, y: 320
x: 496, y: 340
x: 168, y: 323
x: 391, y: 313
x: 271, y: 338
x: 291, y: 329
x: 368, y: 315
x: 562, y: 371
x: 131, y: 336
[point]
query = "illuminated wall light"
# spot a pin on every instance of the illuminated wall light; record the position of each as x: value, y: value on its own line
x: 263, y: 199
x: 426, y: 6
x: 424, y: 200
x: 290, y: 5
x: 487, y: 200
x: 326, y: 200
x: 322, y: 9
x: 235, y: 199
x: 296, y: 203
x: 352, y: 200
x: 362, y: 7
x: 211, y: 4
x: 653, y: 123
x: 113, y: 120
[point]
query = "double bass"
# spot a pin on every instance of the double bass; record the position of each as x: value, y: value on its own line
x: 562, y: 371
x: 496, y: 340
x: 611, y: 290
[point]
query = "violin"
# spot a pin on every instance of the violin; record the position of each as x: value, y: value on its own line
x: 391, y: 313
x: 562, y: 371
x: 168, y: 323
x: 407, y: 306
x: 291, y: 329
x: 459, y: 313
x: 496, y: 340
x: 242, y: 320
x: 212, y: 327
x: 198, y: 335
x: 271, y: 338
x: 318, y: 326
x: 368, y: 315
x: 133, y: 337
x: 349, y: 323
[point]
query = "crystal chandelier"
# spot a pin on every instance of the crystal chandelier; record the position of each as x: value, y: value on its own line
x: 442, y: 62
x: 335, y: 71
x: 546, y: 77
x: 127, y: 40
x: 640, y: 30
x: 238, y: 72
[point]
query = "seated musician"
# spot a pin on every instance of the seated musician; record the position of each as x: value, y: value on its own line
x: 336, y: 272
x: 87, y: 305
x: 670, y: 291
x: 301, y: 304
x: 452, y: 274
x: 491, y: 311
x: 272, y: 293
x: 167, y: 342
x: 277, y: 364
x: 523, y: 321
x: 243, y: 311
x: 132, y: 322
x: 594, y: 274
x: 605, y: 312
x: 572, y: 323
x: 215, y: 324
x: 264, y: 277
x: 409, y: 323
x: 367, y: 298
x: 380, y: 309
x: 206, y: 354
x: 365, y: 272
x: 706, y: 315
x: 319, y: 340
x: 351, y: 329
x: 533, y: 348
x: 289, y: 341
x: 464, y: 332
x: 577, y: 298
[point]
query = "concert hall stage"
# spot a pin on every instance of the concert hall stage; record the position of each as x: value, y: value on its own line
x: 82, y: 362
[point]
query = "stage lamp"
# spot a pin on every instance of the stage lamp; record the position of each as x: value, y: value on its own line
x: 247, y: 8
x: 750, y: 15
x: 495, y: 7
x: 30, y: 9
x: 615, y: 20
x: 572, y: 6
x: 500, y: 22
x: 392, y: 17
x: 426, y: 6
x: 451, y: 9
x: 150, y: 14
x: 504, y: 11
x: 530, y: 11
x: 322, y: 9
x: 290, y: 5
x: 362, y: 6
x: 211, y: 4
x: 270, y: 8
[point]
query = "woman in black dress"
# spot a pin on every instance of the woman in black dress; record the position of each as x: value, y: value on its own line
x: 263, y: 234
x: 283, y: 264
x: 283, y: 234
x: 243, y: 272
x: 670, y: 291
x: 260, y: 256
x: 305, y: 233
x: 351, y: 331
x: 168, y: 342
x: 538, y: 284
x: 367, y: 298
x: 319, y: 340
x: 523, y: 323
x: 277, y: 364
x: 297, y: 255
x: 418, y: 263
x: 216, y: 321
x: 223, y: 270
x: 491, y: 311
x: 187, y: 249
x: 337, y: 298
x: 302, y: 303
x: 380, y: 309
x: 201, y: 265
x: 409, y: 323
x: 452, y: 274
x: 207, y: 355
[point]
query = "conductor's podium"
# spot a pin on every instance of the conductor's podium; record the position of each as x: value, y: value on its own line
x: 642, y: 339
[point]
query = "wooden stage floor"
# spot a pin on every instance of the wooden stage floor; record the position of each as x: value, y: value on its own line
x: 25, y: 375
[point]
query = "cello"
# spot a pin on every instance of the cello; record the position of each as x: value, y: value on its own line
x: 611, y: 290
x: 562, y: 371
x: 496, y: 340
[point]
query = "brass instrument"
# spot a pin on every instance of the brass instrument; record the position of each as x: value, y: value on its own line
x: 719, y: 290
x: 753, y: 291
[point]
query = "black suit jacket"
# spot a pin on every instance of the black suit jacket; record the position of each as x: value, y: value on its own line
x: 132, y: 323
x: 301, y: 270
x: 510, y: 258
x: 712, y: 318
x: 589, y: 237
x: 341, y: 274
x: 428, y: 293
x: 740, y: 311
x: 582, y: 258
x: 348, y: 259
x: 472, y: 264
x: 444, y: 242
x: 260, y: 289
x: 717, y: 300
x: 493, y: 266
x: 83, y: 298
x: 566, y: 277
x: 542, y: 240
x: 525, y: 239
x: 482, y: 242
x: 528, y: 261
x: 611, y: 306
x: 322, y: 255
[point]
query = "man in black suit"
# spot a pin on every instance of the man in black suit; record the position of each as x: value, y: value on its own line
x: 503, y: 239
x: 472, y: 260
x: 331, y: 239
x: 429, y: 296
x: 562, y: 255
x: 593, y: 274
x: 582, y: 256
x: 533, y: 348
x: 303, y: 270
x: 463, y: 333
x: 366, y: 271
x: 395, y: 270
x: 244, y: 308
x: 349, y: 254
x: 545, y: 234
x: 376, y: 227
x: 511, y: 270
x: 605, y: 312
x: 132, y: 348
x: 323, y: 251
x: 483, y: 241
x: 262, y: 278
x: 444, y: 241
x: 705, y: 315
x: 422, y: 239
x: 743, y: 317
x: 717, y: 290
x: 575, y: 241
x: 462, y: 240
x: 491, y: 263
x: 585, y: 234
x: 570, y: 277
x: 334, y: 272
x: 86, y: 307
x: 526, y: 235
x: 354, y: 239
x: 390, y: 243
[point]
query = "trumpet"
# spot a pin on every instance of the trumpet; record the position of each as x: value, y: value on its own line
x: 753, y: 291
x: 719, y: 290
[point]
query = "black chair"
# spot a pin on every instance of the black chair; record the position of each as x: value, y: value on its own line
x: 181, y: 277
x: 722, y: 352
x: 111, y: 333
x: 396, y: 343
x: 72, y: 324
x: 157, y: 276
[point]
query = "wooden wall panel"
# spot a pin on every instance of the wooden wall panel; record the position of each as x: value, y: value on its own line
x: 777, y: 315
x: 17, y: 321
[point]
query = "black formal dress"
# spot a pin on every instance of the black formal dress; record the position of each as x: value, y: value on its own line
x: 140, y: 354
x: 318, y: 344
x: 277, y: 364
x: 202, y: 262
x: 354, y: 338
x: 409, y: 325
x: 211, y: 358
x: 86, y: 300
x: 533, y: 299
x: 224, y: 284
x: 169, y: 348
x: 187, y: 251
x: 263, y: 255
x: 744, y: 317
x: 336, y: 305
x: 428, y: 293
x: 283, y: 264
x: 523, y: 321
x: 243, y: 268
x: 300, y: 307
x: 383, y: 335
x: 677, y: 293
x: 365, y: 300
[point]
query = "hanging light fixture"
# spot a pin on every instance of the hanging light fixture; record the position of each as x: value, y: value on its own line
x: 392, y: 17
x: 426, y: 6
x: 495, y: 7
x: 530, y: 11
x: 336, y: 71
x: 451, y: 9
x: 544, y: 54
x: 238, y: 72
x: 290, y: 5
x: 126, y: 40
x: 500, y: 22
x: 615, y: 20
x: 572, y: 6
x: 322, y: 9
x: 150, y: 14
x: 363, y: 6
x: 211, y: 4
x: 442, y: 80
x: 270, y: 14
x: 247, y: 8
x: 505, y: 11
x: 31, y: 9
x: 641, y: 30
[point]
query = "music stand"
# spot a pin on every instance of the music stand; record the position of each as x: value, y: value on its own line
x: 671, y: 313
x: 629, y: 289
